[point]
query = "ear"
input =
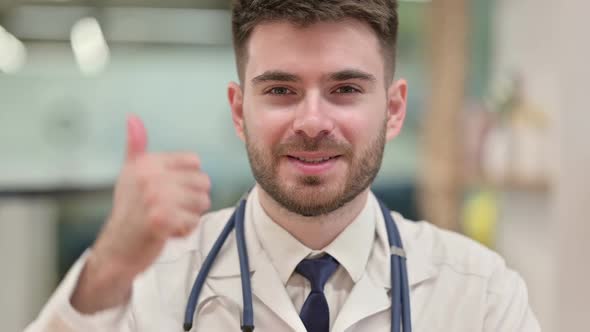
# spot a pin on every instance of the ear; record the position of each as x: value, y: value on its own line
x: 397, y: 98
x: 236, y: 102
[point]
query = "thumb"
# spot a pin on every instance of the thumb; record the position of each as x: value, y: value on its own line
x: 136, y: 137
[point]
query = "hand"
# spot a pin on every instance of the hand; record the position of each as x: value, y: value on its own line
x: 158, y: 196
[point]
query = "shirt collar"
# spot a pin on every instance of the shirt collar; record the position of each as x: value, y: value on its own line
x: 351, y: 248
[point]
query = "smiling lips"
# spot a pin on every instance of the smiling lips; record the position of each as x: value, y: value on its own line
x: 313, y: 163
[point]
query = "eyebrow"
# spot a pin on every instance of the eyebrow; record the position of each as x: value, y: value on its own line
x: 343, y: 75
x: 352, y: 74
x: 275, y: 76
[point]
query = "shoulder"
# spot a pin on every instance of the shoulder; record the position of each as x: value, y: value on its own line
x: 455, y: 264
x: 448, y: 251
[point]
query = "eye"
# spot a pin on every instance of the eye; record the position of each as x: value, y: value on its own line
x: 279, y: 91
x: 347, y: 89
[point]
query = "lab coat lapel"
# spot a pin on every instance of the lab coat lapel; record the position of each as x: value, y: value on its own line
x: 370, y: 296
x: 266, y: 284
x: 366, y: 299
x: 268, y: 288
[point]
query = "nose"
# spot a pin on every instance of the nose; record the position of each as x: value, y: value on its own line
x: 312, y: 117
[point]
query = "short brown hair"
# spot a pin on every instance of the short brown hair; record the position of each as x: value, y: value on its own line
x: 381, y: 15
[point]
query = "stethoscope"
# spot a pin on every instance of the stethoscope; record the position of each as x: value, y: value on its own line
x: 400, y: 290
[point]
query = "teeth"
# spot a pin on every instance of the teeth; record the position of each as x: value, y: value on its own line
x: 315, y: 161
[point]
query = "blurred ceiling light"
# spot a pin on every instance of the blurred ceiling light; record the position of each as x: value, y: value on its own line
x: 90, y: 47
x: 13, y: 53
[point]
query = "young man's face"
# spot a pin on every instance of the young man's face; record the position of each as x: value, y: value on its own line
x: 315, y: 112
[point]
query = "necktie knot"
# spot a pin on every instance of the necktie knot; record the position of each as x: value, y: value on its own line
x: 317, y: 271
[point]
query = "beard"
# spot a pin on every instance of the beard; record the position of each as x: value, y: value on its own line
x: 312, y: 196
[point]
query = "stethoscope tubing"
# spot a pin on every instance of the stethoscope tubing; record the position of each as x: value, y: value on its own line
x: 400, y: 306
x: 204, y: 271
x: 400, y: 292
x: 248, y: 314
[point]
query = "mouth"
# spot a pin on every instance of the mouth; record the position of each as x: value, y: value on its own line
x: 313, y: 164
x: 308, y: 160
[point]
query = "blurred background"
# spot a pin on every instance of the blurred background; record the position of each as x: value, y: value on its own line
x: 493, y: 147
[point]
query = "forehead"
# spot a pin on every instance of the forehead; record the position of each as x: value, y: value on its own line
x: 314, y: 50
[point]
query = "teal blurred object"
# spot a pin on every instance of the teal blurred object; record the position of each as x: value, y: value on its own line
x: 401, y: 198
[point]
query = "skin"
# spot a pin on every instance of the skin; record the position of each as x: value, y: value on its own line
x: 324, y: 83
x: 331, y: 99
x: 158, y: 196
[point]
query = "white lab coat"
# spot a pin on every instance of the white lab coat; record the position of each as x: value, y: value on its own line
x: 455, y: 285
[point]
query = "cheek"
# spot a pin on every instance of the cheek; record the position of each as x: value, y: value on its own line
x: 364, y: 120
x: 359, y: 129
x: 266, y: 128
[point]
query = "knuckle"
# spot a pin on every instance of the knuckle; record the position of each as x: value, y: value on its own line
x: 193, y: 158
x: 151, y: 181
x: 189, y: 160
x: 192, y: 223
x: 185, y: 229
x: 157, y: 219
x: 183, y: 160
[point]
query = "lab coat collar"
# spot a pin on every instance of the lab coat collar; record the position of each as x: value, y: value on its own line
x: 224, y: 277
x: 284, y: 250
x: 371, y: 289
x: 350, y: 248
x: 419, y: 263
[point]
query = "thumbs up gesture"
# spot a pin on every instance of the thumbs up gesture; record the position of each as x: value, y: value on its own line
x: 158, y: 196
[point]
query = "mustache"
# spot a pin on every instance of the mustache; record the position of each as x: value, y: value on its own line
x: 304, y: 143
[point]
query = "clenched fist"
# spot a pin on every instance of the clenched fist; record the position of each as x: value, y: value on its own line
x: 157, y: 196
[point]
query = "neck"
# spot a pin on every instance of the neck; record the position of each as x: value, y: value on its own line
x: 314, y: 232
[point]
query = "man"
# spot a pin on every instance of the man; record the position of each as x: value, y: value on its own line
x: 316, y: 103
